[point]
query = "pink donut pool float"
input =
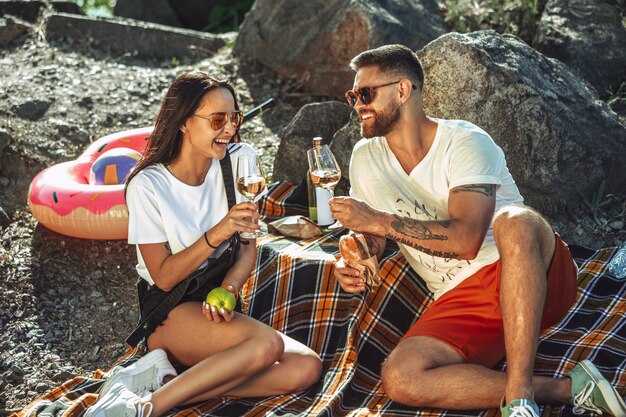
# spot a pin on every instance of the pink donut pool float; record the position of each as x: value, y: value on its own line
x: 84, y: 198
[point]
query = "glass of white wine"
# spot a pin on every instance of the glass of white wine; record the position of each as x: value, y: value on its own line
x: 324, y: 170
x: 250, y: 183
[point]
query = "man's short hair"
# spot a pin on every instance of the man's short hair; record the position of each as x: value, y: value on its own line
x: 394, y: 59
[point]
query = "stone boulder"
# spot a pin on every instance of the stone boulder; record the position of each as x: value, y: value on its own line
x: 589, y: 36
x: 25, y: 10
x: 5, y: 139
x: 313, y: 41
x: 65, y: 6
x: 316, y: 119
x: 341, y: 146
x: 195, y: 14
x: 557, y: 137
x: 191, y: 14
x: 11, y: 28
x: 155, y: 11
x: 134, y: 37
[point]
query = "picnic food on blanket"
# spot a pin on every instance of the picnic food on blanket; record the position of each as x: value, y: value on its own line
x: 356, y: 254
x: 220, y: 298
x: 296, y: 226
x: 85, y: 197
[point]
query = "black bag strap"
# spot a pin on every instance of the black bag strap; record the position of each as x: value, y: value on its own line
x: 227, y: 172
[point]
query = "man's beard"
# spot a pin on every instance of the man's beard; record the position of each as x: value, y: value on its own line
x: 384, y: 121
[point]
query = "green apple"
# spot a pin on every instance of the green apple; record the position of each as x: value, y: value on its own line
x: 221, y: 298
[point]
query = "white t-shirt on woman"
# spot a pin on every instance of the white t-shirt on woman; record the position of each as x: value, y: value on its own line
x: 163, y: 209
x: 461, y: 154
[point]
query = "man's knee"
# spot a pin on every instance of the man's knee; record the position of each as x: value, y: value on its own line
x: 520, y: 226
x: 405, y: 373
x: 400, y: 379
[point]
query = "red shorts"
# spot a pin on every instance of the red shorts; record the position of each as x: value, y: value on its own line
x: 469, y: 319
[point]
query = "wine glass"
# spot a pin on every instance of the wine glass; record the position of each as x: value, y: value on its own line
x: 250, y: 183
x: 324, y: 170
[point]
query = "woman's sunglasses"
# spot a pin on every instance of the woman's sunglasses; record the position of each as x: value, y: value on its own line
x: 219, y: 119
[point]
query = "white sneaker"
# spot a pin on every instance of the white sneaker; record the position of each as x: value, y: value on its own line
x: 119, y: 402
x: 144, y: 375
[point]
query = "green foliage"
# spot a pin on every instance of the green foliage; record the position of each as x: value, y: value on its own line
x: 617, y: 99
x: 595, y: 202
x: 226, y: 18
x: 174, y: 62
x: 517, y: 17
x: 97, y: 7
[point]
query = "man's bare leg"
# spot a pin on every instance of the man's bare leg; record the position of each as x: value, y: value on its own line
x: 425, y: 372
x: 526, y: 244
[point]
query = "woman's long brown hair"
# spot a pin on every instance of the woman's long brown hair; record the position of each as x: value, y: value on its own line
x: 181, y: 101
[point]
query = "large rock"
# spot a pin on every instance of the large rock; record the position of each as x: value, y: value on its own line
x: 12, y: 28
x: 64, y: 6
x: 315, y: 40
x: 155, y: 11
x: 133, y: 36
x: 556, y: 136
x: 317, y: 119
x: 195, y: 14
x: 5, y: 139
x: 25, y: 10
x: 192, y: 14
x: 341, y: 146
x: 587, y: 35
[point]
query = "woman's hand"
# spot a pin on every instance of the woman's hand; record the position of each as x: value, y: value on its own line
x: 243, y: 217
x: 216, y: 315
x: 349, y: 278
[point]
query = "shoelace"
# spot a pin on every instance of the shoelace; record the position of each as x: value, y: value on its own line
x: 144, y: 410
x: 522, y: 411
x: 583, y: 402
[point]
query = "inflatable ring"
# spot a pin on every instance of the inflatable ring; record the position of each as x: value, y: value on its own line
x: 63, y: 198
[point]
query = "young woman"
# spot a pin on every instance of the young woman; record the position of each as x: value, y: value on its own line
x: 187, y: 240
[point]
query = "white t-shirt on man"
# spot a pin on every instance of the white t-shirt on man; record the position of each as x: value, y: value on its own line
x: 461, y: 154
x: 163, y: 209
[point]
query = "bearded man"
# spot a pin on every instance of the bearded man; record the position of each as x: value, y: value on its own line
x: 498, y: 271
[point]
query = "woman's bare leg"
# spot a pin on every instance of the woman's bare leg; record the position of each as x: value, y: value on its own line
x: 227, y: 358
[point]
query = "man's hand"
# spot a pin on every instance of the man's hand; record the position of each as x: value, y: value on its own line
x: 357, y: 215
x: 349, y: 278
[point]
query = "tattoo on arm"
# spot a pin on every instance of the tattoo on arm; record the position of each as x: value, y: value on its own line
x: 486, y: 189
x: 416, y: 229
x: 438, y: 253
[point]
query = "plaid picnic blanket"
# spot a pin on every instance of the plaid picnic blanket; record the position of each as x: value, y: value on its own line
x: 292, y: 290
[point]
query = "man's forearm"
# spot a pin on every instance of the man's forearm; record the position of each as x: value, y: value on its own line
x: 439, y: 238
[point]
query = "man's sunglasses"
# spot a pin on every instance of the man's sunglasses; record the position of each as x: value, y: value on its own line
x: 366, y: 94
x: 219, y: 119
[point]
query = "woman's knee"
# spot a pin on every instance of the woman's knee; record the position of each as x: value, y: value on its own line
x: 267, y: 348
x: 307, y: 373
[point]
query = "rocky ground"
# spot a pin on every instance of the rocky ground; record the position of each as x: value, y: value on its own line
x: 67, y: 304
